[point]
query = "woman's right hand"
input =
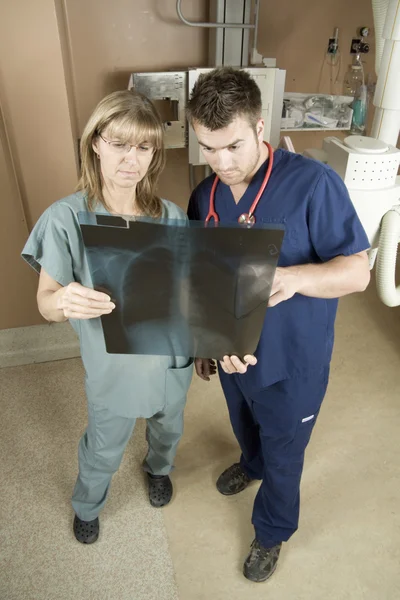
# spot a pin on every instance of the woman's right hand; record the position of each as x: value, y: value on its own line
x: 79, y: 302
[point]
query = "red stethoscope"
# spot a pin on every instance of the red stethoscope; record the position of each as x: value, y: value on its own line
x: 246, y: 218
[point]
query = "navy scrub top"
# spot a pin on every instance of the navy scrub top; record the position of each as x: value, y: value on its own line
x: 320, y: 221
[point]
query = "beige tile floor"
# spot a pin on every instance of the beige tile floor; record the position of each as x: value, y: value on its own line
x: 348, y: 543
x: 42, y: 417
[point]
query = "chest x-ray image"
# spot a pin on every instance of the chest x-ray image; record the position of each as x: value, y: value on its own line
x: 181, y: 288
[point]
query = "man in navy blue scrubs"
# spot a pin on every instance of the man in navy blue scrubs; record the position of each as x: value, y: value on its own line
x: 275, y: 396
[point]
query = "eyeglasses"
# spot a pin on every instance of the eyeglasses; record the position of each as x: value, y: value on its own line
x: 121, y: 148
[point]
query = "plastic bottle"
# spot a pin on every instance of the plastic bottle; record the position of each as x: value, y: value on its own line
x: 354, y: 85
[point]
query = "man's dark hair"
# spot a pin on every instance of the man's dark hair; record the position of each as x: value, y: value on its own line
x: 221, y: 95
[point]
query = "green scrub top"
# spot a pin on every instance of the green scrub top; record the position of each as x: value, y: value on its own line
x: 128, y: 385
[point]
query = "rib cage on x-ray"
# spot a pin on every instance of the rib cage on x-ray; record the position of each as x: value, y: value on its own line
x: 181, y: 288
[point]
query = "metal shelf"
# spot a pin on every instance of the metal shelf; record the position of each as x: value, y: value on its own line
x: 316, y: 129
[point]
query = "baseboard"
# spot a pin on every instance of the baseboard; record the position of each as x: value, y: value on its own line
x: 36, y: 344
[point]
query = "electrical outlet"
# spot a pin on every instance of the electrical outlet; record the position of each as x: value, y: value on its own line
x: 332, y: 46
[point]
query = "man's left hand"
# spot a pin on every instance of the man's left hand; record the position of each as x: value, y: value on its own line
x: 332, y: 279
x: 233, y: 364
x: 285, y: 285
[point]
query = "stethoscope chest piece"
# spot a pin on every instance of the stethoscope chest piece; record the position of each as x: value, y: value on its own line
x: 246, y: 219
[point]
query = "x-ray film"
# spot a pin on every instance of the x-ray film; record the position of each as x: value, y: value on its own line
x: 181, y: 288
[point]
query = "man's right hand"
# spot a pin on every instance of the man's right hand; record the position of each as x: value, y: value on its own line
x: 205, y: 367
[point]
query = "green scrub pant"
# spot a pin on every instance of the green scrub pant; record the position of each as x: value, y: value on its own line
x: 102, y: 447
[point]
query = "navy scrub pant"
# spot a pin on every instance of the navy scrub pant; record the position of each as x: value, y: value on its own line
x: 273, y: 427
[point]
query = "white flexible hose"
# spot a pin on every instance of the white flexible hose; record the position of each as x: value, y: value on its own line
x: 386, y: 260
x: 379, y: 8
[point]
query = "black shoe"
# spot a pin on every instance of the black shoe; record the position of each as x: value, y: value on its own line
x: 261, y: 562
x: 86, y: 532
x: 233, y: 480
x: 160, y: 490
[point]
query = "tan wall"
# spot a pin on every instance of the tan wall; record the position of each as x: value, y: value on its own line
x: 36, y: 117
x: 17, y: 283
x: 58, y: 58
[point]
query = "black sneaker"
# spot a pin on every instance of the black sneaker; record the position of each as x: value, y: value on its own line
x: 160, y: 490
x: 261, y: 562
x: 233, y: 480
x: 86, y: 532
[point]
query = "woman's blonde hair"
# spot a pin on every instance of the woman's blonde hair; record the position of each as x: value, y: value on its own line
x: 126, y: 115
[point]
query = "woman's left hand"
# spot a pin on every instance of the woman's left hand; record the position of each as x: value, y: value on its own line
x: 205, y: 368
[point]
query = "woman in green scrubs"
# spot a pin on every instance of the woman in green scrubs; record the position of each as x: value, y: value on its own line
x: 122, y: 157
